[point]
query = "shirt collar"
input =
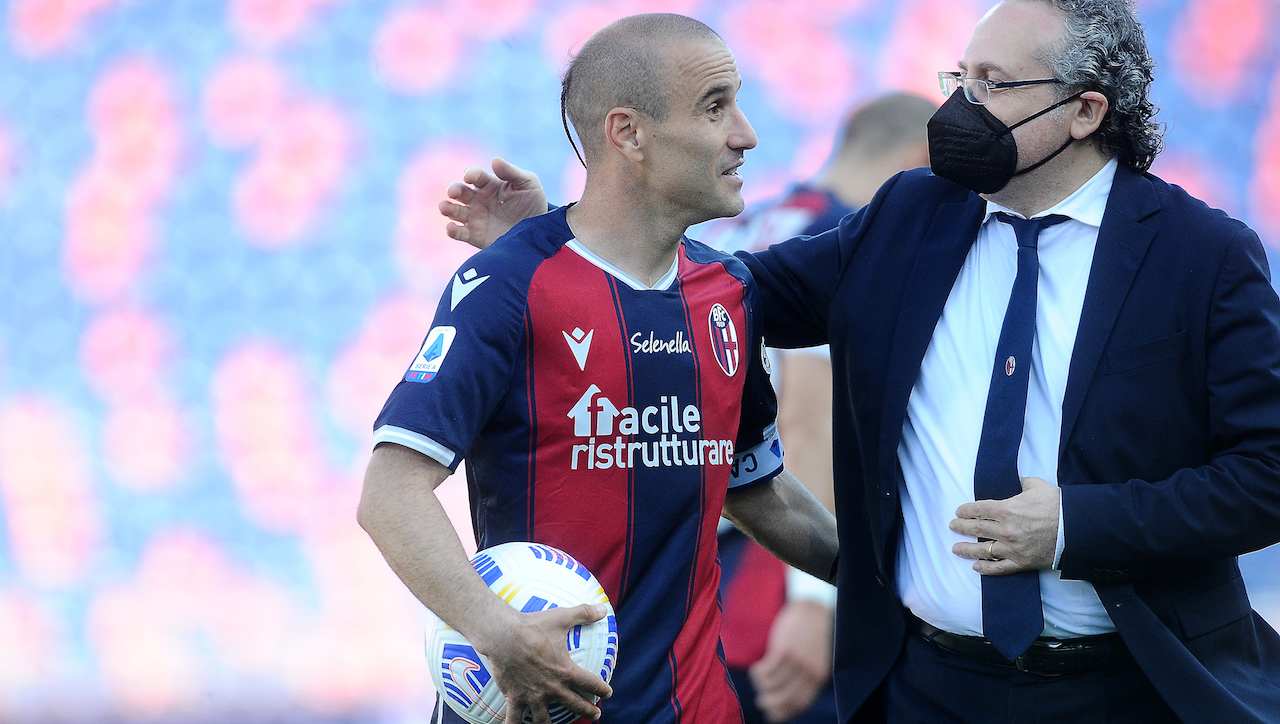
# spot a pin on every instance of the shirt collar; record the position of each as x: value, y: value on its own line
x: 1086, y: 204
x: 604, y: 264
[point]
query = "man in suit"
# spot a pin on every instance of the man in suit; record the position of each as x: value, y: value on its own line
x: 1057, y: 403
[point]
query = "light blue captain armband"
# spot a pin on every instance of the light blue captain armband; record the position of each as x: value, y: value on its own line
x: 761, y: 462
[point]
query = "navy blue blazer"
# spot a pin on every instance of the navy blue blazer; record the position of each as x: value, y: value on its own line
x: 1170, y: 450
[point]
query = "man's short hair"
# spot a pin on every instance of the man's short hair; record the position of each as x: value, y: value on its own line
x: 886, y: 124
x: 623, y: 65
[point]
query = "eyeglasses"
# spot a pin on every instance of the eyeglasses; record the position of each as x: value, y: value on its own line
x: 978, y: 90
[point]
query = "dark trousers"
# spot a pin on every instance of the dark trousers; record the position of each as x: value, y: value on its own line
x: 930, y: 684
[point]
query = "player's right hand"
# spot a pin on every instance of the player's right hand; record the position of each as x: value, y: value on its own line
x: 533, y: 668
x: 485, y: 205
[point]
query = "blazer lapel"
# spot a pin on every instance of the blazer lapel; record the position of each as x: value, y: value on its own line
x: 941, y: 254
x: 1122, y: 243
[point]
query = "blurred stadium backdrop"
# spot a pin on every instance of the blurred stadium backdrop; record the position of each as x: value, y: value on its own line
x: 219, y: 249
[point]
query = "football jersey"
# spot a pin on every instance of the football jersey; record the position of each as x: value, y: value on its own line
x: 608, y: 419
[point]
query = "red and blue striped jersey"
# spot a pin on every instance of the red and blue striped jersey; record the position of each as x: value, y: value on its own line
x: 607, y: 419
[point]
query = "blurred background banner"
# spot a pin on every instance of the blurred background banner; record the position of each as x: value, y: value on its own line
x: 219, y: 249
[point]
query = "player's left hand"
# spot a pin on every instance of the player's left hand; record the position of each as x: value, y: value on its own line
x: 1024, y: 529
x: 797, y: 661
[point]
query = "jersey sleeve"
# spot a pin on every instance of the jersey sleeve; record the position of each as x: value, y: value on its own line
x: 758, y: 448
x: 463, y: 369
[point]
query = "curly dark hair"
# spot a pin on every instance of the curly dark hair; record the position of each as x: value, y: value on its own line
x: 1104, y: 49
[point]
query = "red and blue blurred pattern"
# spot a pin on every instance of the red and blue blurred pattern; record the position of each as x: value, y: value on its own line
x: 220, y: 247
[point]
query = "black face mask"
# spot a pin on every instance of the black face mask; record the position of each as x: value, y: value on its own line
x: 970, y: 146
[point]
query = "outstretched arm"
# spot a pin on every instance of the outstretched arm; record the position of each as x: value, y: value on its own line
x: 797, y: 278
x: 484, y: 206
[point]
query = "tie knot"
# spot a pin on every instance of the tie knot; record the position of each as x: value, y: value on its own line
x: 1028, y: 230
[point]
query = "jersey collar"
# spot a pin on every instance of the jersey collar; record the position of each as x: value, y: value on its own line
x: 663, y: 283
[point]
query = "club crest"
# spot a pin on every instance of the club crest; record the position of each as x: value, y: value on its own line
x: 724, y: 340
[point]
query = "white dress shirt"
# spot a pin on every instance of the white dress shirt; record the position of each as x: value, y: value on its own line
x: 943, y: 424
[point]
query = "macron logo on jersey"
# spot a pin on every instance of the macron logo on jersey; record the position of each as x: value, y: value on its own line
x: 611, y: 435
x: 464, y: 284
x: 580, y: 345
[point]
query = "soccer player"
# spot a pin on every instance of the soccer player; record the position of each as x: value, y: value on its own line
x: 603, y: 376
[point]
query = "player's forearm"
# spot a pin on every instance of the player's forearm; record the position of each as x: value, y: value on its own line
x: 401, y: 513
x: 784, y: 517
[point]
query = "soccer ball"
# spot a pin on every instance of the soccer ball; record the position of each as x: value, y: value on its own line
x: 530, y: 577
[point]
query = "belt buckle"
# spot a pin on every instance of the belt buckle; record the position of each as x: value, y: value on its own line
x: 1046, y: 669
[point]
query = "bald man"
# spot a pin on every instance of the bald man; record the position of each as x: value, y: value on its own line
x: 603, y: 375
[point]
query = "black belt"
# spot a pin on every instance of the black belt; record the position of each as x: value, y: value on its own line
x: 1045, y: 657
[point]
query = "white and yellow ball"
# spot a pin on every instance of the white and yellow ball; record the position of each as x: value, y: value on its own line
x: 530, y: 577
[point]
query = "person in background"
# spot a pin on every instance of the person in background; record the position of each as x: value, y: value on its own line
x: 778, y: 620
